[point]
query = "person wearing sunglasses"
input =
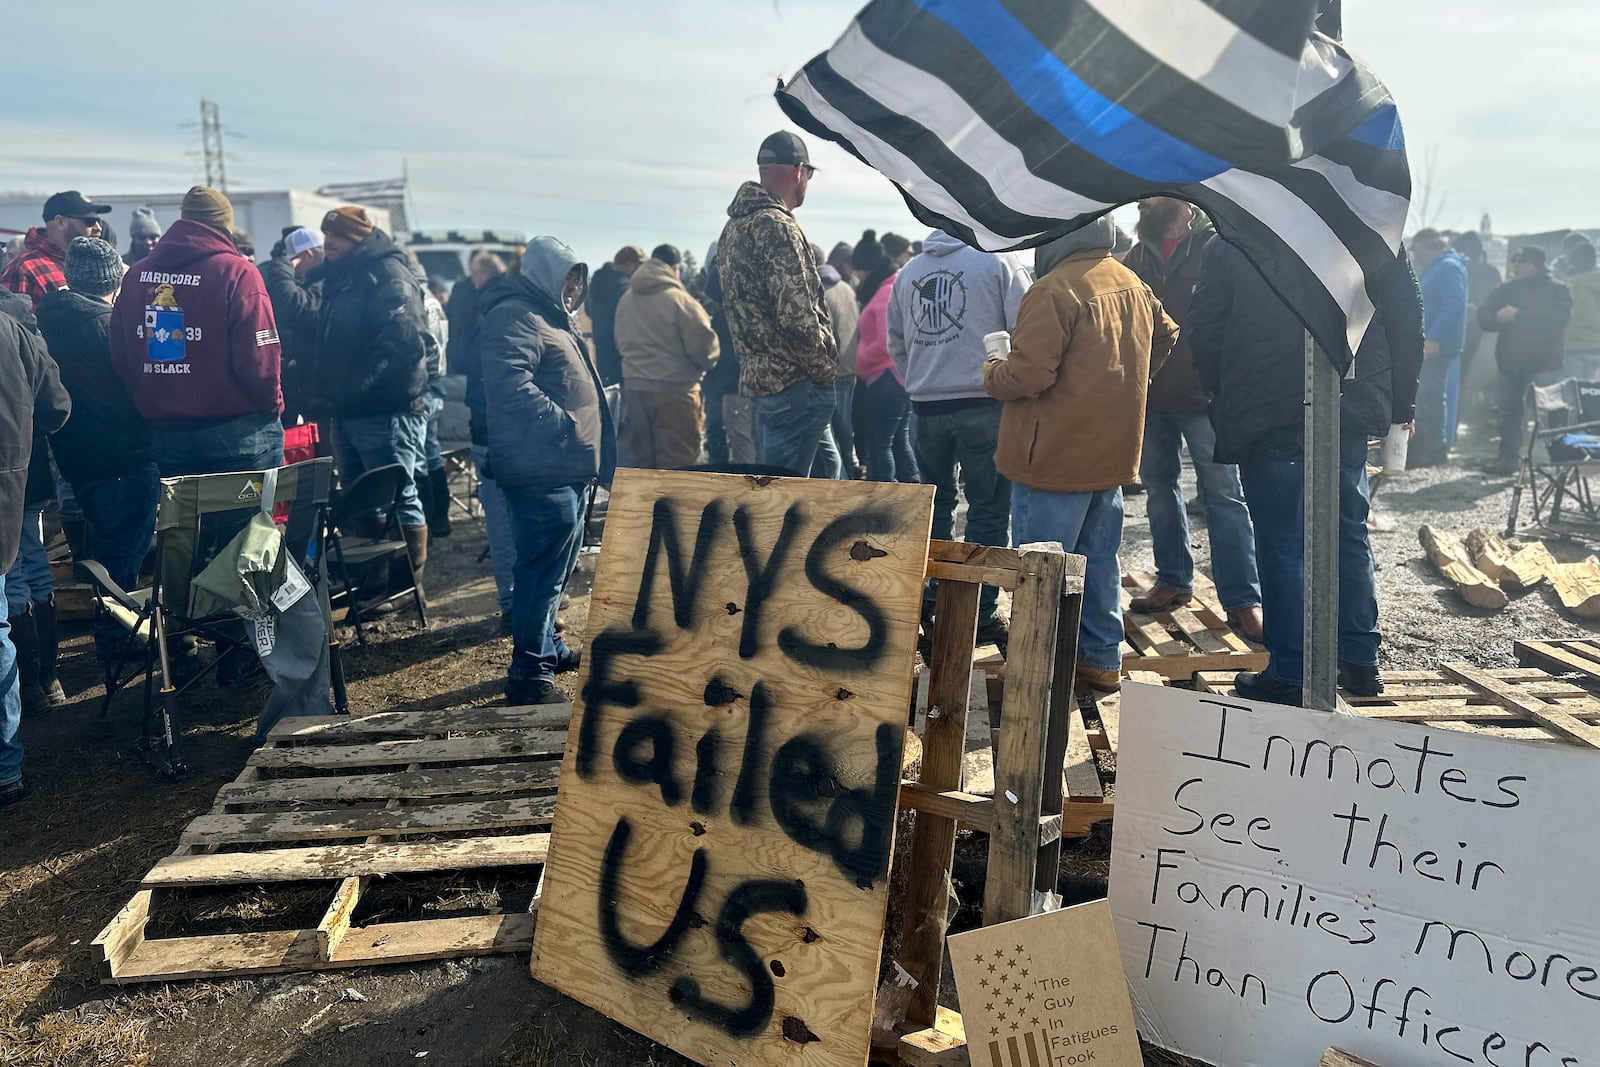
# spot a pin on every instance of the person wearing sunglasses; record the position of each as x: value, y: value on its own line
x: 41, y: 266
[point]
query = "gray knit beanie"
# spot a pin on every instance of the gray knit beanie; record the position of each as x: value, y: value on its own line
x: 144, y: 224
x: 93, y: 267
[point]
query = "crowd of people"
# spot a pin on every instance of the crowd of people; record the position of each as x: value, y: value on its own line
x: 1035, y: 388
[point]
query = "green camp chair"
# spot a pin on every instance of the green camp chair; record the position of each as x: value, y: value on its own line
x: 198, y: 518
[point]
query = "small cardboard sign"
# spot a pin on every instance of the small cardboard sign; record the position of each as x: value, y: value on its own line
x: 1046, y: 991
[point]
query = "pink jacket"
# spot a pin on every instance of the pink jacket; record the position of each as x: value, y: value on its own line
x: 872, y: 332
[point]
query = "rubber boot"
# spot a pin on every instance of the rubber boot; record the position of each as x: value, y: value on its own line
x: 25, y: 636
x: 436, y: 502
x: 44, y: 624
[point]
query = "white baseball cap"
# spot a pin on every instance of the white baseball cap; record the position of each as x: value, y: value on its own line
x: 302, y: 241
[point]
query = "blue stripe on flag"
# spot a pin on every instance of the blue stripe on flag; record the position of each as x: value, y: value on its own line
x: 1064, y: 100
x: 1382, y: 130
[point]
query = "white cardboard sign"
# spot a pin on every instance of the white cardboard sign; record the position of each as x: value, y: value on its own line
x: 1284, y: 881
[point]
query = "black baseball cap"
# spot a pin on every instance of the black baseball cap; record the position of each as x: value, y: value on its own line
x: 73, y: 205
x: 783, y: 149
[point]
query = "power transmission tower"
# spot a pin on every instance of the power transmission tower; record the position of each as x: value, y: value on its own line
x: 211, y: 144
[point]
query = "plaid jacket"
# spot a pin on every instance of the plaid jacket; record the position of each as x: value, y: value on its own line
x: 38, y: 269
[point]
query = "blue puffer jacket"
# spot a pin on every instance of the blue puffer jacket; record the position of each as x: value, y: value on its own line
x: 1444, y: 303
x: 548, y: 423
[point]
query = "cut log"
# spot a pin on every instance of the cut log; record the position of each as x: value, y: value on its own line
x: 1578, y: 586
x: 1521, y: 568
x: 1452, y: 559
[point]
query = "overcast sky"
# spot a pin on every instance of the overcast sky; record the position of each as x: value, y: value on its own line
x: 624, y: 121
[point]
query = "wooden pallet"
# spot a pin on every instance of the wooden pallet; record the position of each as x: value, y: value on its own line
x: 1176, y: 644
x: 1581, y: 656
x: 1519, y: 703
x: 342, y: 800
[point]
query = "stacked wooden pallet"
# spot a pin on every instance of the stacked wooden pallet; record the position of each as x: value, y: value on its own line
x: 333, y: 803
x: 1524, y: 704
x: 1177, y: 643
x: 1581, y: 656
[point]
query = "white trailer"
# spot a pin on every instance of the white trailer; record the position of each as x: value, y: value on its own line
x: 262, y: 215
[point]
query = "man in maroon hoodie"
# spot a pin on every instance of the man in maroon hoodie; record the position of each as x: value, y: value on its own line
x: 193, y: 338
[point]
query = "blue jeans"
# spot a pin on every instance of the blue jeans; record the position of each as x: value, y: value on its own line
x: 497, y: 522
x: 1438, y: 393
x: 888, y: 447
x: 367, y: 442
x: 792, y: 429
x: 10, y: 698
x: 844, y: 433
x: 1513, y: 403
x: 432, y: 452
x: 29, y: 580
x: 1273, y: 488
x: 547, y: 524
x: 1089, y: 524
x: 1233, y: 550
x: 248, y: 443
x: 964, y: 440
x: 122, y: 520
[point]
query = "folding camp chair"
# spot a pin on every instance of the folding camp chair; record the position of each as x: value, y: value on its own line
x: 357, y: 558
x: 197, y: 518
x: 458, y: 463
x: 1553, y: 486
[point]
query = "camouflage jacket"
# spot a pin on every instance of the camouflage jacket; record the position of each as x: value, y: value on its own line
x: 772, y: 296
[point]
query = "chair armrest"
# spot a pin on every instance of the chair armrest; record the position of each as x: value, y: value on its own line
x: 102, y: 582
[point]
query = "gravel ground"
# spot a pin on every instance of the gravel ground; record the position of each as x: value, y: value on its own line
x: 72, y: 852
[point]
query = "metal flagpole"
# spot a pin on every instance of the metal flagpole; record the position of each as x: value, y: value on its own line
x: 1320, y: 685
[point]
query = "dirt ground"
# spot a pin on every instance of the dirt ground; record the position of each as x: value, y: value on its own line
x: 96, y: 819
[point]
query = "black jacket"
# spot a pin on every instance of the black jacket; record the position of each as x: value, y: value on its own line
x: 297, y: 307
x: 32, y: 402
x: 606, y: 290
x: 106, y: 436
x: 547, y: 420
x: 372, y: 339
x: 723, y: 377
x: 1249, y: 351
x: 1535, y: 340
x: 1175, y: 389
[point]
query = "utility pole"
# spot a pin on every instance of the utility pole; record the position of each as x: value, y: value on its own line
x: 211, y: 144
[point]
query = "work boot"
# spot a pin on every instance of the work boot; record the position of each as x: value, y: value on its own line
x: 436, y: 502
x: 416, y: 549
x: 996, y: 631
x: 1360, y: 680
x: 1248, y: 621
x: 1259, y: 685
x: 524, y: 691
x: 25, y: 636
x: 1091, y: 680
x: 44, y: 623
x: 1160, y: 598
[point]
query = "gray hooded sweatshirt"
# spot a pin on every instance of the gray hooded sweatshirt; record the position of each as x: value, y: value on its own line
x: 944, y: 302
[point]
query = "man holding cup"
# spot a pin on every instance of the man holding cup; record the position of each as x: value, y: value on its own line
x: 1089, y: 336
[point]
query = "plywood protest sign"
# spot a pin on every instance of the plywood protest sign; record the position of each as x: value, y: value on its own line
x: 1046, y: 991
x: 1285, y: 881
x: 719, y: 862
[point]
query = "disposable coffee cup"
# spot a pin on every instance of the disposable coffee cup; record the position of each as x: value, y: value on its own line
x: 1394, y: 449
x: 997, y: 344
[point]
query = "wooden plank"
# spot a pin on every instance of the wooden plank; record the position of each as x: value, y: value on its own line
x: 122, y: 936
x: 927, y: 910
x: 335, y: 924
x: 969, y: 809
x: 1197, y: 632
x: 1547, y: 715
x: 767, y: 616
x: 962, y: 572
x: 428, y: 782
x: 347, y: 861
x: 324, y: 825
x: 417, y: 723
x: 1079, y: 820
x: 1182, y: 668
x: 1558, y: 656
x: 1063, y: 701
x: 942, y: 1045
x: 1080, y: 775
x: 977, y: 765
x: 530, y: 744
x: 277, y: 952
x: 975, y: 555
x: 1019, y: 770
x: 1339, y: 1058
